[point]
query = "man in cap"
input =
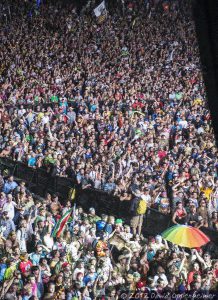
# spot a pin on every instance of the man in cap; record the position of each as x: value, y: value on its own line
x: 92, y: 217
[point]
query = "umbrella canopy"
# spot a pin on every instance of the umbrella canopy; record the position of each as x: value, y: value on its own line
x: 185, y: 236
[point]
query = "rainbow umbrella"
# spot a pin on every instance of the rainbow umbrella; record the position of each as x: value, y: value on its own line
x: 185, y: 236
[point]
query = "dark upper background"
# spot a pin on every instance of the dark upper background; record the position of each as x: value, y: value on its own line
x: 205, y: 13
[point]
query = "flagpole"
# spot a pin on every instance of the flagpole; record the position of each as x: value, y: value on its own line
x: 73, y: 215
x: 9, y: 10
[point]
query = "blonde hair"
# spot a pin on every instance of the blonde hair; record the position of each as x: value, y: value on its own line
x: 111, y: 219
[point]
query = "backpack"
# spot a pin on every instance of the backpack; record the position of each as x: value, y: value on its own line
x: 141, y: 207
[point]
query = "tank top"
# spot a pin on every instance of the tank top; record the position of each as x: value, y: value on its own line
x: 180, y: 213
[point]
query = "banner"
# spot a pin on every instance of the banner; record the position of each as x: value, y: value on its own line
x: 100, y: 9
x: 38, y: 2
x: 118, y: 241
x: 59, y: 227
x: 100, y: 12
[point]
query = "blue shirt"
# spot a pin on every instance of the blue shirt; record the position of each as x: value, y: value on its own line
x: 3, y: 268
x: 109, y: 187
x: 32, y: 162
x: 35, y: 258
x: 26, y: 297
x: 64, y: 106
x: 88, y: 155
x: 9, y: 186
x: 40, y: 288
x: 79, y: 177
x: 93, y: 108
x: 6, y: 227
x: 150, y: 255
x: 169, y: 175
x: 110, y: 127
x: 108, y: 228
x: 89, y: 278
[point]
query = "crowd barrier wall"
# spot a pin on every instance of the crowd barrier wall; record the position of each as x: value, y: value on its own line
x: 39, y: 182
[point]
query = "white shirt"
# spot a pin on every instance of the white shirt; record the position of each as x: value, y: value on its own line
x: 89, y: 239
x: 143, y: 125
x: 22, y: 237
x: 76, y: 271
x: 126, y: 235
x: 48, y: 242
x: 92, y: 175
x: 21, y: 112
x: 9, y: 207
x: 72, y: 250
x: 147, y: 198
x: 45, y: 120
x: 183, y: 123
x: 161, y: 276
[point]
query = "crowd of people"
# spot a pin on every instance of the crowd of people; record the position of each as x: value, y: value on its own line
x: 119, y: 106
x: 94, y: 257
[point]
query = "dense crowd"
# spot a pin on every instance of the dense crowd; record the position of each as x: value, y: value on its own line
x: 95, y: 257
x: 118, y: 106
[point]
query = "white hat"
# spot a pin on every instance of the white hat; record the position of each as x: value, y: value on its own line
x: 158, y: 238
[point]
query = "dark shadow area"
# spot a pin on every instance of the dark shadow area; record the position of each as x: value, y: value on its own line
x: 39, y: 183
x: 205, y: 13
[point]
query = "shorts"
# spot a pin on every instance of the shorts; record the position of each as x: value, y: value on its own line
x: 136, y: 221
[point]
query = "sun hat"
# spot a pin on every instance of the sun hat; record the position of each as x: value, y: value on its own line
x: 122, y: 256
x: 136, y: 275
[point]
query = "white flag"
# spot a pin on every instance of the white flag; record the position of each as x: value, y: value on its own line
x: 100, y: 9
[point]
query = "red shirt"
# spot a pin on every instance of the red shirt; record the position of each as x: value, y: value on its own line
x: 192, y: 81
x: 118, y: 96
x: 120, y: 121
x: 191, y: 276
x: 137, y: 104
x: 25, y: 266
x: 162, y: 154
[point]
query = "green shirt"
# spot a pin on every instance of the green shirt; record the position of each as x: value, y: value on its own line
x: 28, y: 138
x: 9, y: 272
x: 138, y: 132
x: 54, y: 98
x: 36, y: 99
x: 178, y: 96
x: 50, y: 160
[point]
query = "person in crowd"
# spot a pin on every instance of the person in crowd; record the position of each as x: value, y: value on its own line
x: 180, y: 214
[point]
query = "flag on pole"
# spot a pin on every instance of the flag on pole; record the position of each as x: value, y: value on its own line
x: 72, y: 194
x: 59, y: 227
x: 100, y: 12
x: 71, y: 219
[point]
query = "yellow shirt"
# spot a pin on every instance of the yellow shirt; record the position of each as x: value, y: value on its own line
x: 207, y: 192
x: 197, y: 101
x: 9, y: 272
x: 40, y: 116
